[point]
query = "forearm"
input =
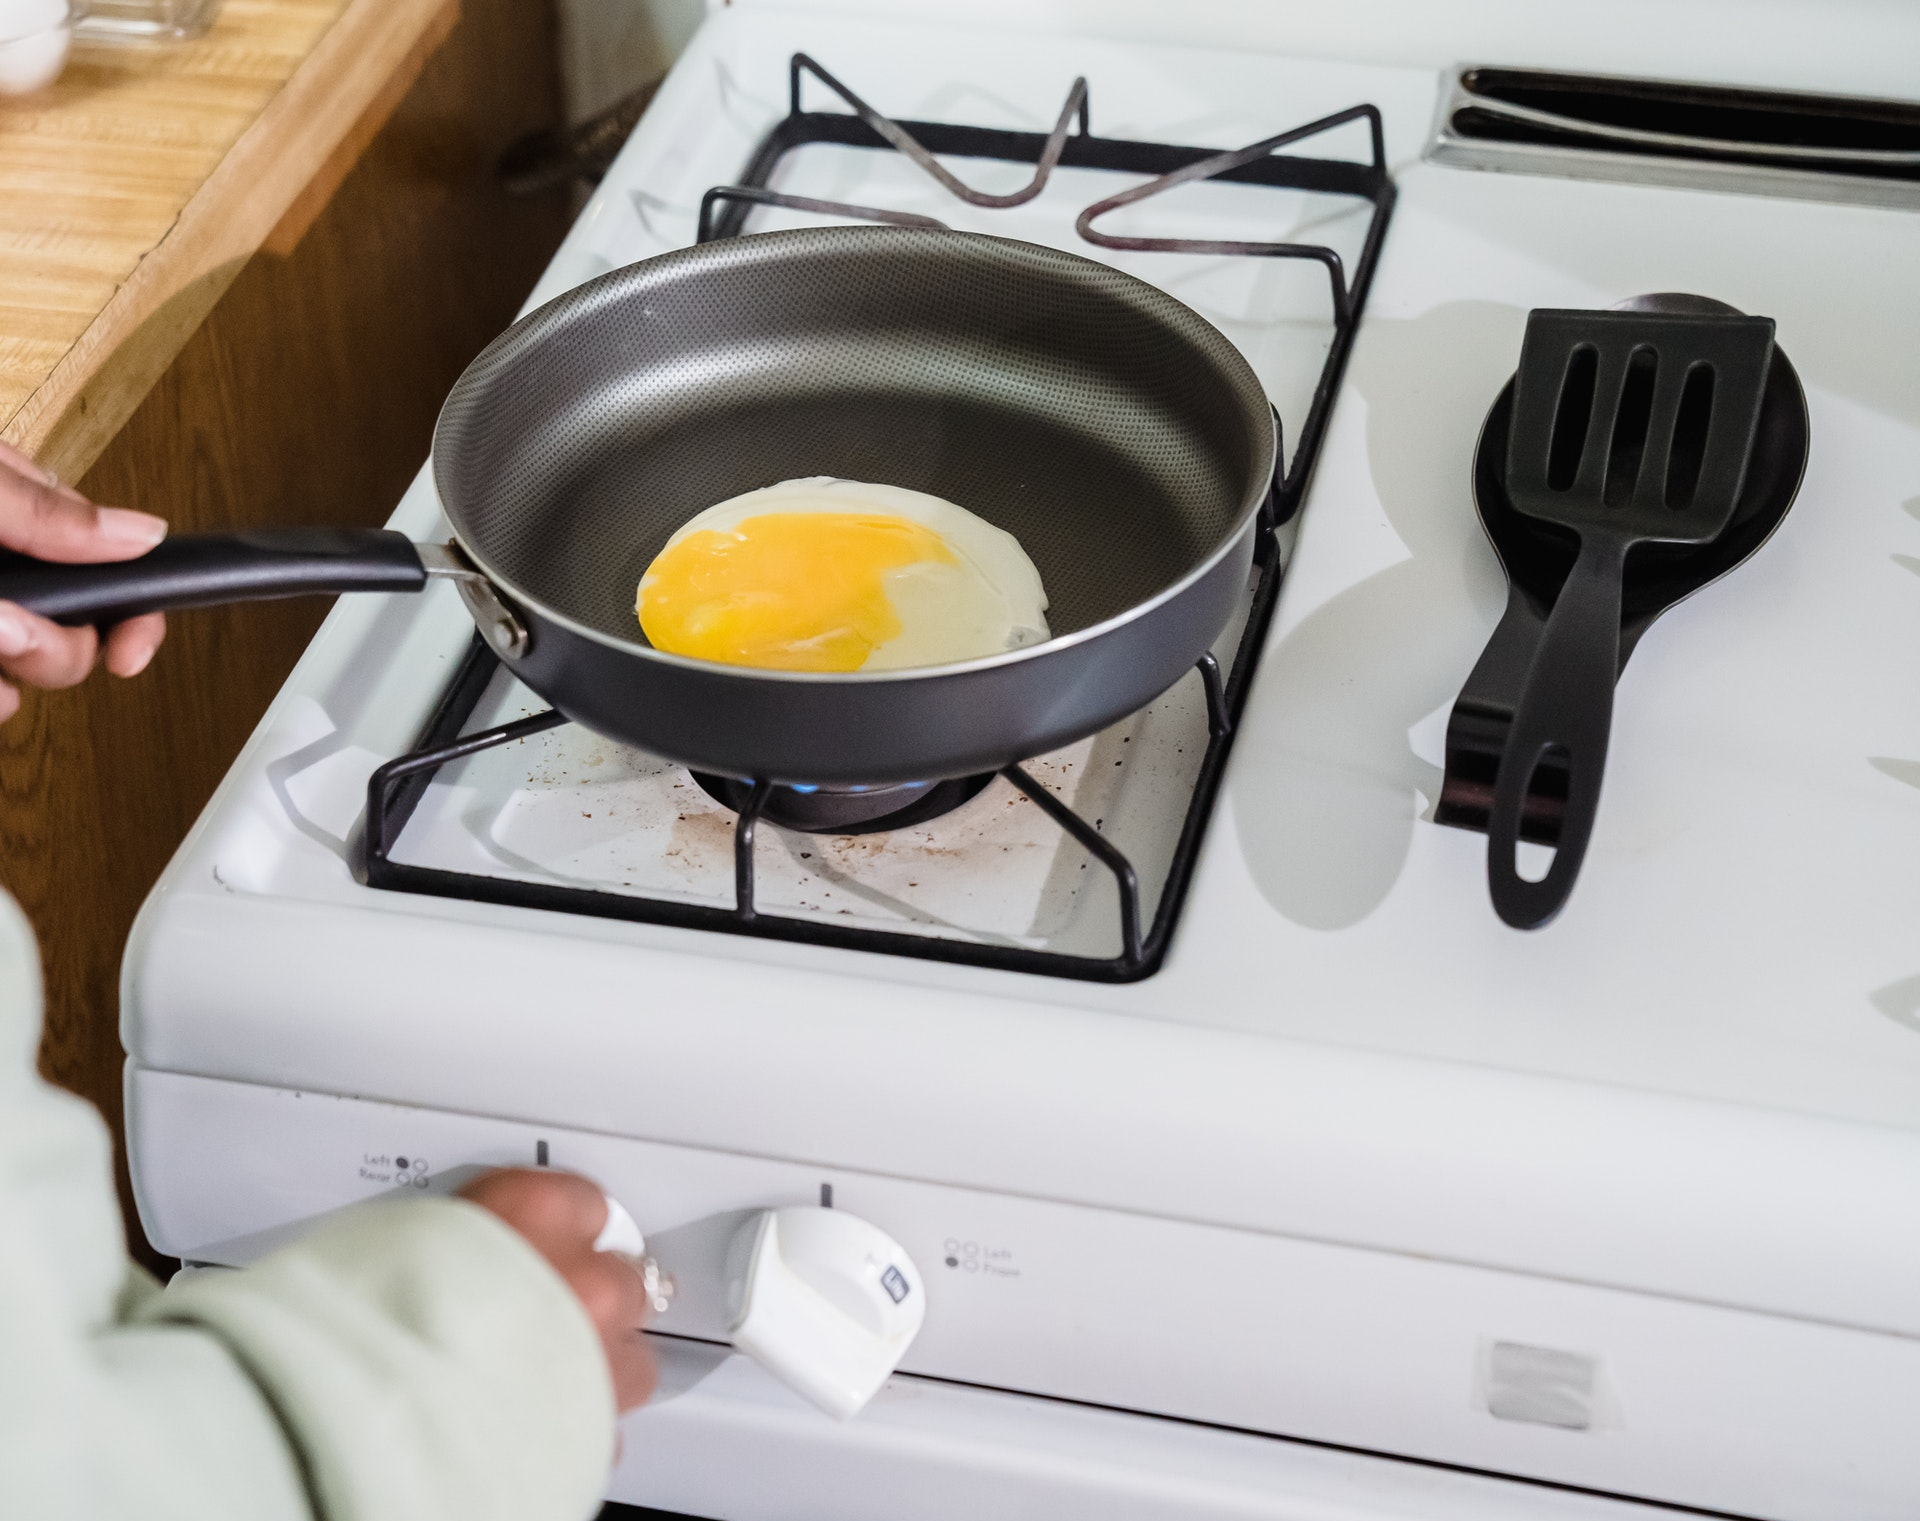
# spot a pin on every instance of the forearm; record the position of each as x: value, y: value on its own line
x: 424, y: 1362
x: 416, y: 1360
x: 97, y: 1417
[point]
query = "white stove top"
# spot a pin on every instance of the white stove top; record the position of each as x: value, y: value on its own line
x: 1742, y: 931
x: 1742, y: 928
x: 1743, y: 925
x: 1702, y: 1082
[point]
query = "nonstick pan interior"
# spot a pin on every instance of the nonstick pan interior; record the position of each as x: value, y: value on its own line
x: 1086, y: 413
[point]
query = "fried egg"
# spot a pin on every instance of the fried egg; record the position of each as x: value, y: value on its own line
x: 824, y: 574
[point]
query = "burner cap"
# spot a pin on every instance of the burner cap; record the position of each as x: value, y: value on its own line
x: 849, y: 810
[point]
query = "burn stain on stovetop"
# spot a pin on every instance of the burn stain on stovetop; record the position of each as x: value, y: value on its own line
x: 570, y: 808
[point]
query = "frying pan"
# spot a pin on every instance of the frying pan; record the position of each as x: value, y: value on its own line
x: 1118, y: 435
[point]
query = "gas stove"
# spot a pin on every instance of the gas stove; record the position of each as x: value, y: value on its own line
x: 1252, y: 1165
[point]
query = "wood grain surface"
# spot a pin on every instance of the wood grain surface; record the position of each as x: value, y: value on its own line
x: 134, y: 188
x: 308, y: 396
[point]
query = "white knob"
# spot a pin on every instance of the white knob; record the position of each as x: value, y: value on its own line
x: 824, y: 1301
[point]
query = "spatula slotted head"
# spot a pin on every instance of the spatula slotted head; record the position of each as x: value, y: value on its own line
x: 1636, y: 423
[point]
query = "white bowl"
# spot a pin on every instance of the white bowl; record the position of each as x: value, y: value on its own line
x: 34, y: 38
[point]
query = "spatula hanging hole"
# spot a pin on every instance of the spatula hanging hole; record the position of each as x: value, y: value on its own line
x: 1630, y: 427
x: 1690, y: 436
x: 1531, y: 860
x: 1572, y: 418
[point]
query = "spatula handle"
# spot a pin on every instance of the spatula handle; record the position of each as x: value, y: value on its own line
x: 1566, y: 704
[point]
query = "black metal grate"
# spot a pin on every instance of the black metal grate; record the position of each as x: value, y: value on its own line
x: 395, y: 789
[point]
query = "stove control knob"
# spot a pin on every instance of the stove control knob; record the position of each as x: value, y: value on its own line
x: 824, y: 1301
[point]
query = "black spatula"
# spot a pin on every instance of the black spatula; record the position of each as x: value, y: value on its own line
x: 1628, y: 428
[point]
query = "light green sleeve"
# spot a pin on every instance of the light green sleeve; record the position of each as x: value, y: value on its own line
x: 413, y: 1360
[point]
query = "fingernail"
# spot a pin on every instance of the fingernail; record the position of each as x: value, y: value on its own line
x: 17, y: 635
x: 123, y: 527
x: 141, y: 662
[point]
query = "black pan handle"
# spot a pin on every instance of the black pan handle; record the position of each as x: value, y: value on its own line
x: 1567, y: 703
x: 207, y: 569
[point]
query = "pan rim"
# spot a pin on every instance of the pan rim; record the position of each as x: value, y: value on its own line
x: 1220, y: 348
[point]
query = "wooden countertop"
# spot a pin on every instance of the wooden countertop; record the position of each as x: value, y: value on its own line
x: 134, y: 188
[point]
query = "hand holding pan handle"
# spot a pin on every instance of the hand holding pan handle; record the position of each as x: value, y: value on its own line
x: 209, y: 569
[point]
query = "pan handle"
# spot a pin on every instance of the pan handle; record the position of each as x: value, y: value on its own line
x: 207, y: 569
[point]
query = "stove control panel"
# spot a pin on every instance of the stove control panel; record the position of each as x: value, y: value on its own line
x: 1598, y: 1387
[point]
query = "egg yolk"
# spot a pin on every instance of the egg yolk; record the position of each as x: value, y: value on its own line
x: 788, y: 591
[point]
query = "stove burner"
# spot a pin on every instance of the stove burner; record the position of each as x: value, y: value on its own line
x: 847, y: 810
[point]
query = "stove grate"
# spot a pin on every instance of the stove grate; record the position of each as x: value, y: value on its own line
x: 394, y: 790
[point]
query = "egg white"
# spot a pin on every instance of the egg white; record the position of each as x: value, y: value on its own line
x: 990, y: 602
